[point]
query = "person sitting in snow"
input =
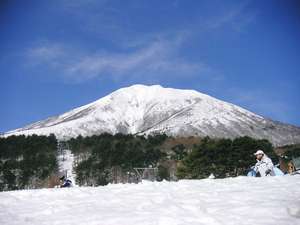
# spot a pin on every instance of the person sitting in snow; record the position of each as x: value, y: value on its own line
x: 65, y: 182
x: 264, y: 165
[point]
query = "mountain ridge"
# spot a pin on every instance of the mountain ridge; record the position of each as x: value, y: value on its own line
x: 141, y: 109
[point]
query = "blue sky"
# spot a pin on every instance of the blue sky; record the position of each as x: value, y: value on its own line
x: 60, y: 54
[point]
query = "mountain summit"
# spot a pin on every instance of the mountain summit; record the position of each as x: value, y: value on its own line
x: 141, y: 109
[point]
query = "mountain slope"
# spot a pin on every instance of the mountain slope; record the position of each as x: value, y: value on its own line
x: 141, y: 109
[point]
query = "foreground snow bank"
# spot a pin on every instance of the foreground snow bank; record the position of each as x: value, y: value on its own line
x: 242, y: 200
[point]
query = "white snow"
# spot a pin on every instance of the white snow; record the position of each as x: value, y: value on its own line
x: 129, y: 106
x: 141, y: 109
x: 241, y: 200
x: 65, y: 164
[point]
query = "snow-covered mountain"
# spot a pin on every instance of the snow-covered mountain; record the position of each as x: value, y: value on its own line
x: 141, y: 109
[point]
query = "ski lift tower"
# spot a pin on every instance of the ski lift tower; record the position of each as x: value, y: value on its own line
x: 65, y: 160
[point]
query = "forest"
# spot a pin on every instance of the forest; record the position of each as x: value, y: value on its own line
x: 30, y: 161
x: 27, y: 161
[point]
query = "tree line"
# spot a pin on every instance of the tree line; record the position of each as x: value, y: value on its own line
x: 99, y: 154
x: 26, y: 161
x: 223, y: 157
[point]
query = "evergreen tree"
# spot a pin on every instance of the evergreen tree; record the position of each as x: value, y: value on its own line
x: 223, y: 157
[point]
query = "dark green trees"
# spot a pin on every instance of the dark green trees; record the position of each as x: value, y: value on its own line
x: 25, y: 162
x: 106, y: 154
x: 223, y: 157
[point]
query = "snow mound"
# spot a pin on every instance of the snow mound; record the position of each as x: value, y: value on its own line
x: 242, y: 200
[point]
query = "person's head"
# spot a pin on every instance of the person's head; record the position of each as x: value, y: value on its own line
x: 62, y: 178
x: 259, y: 154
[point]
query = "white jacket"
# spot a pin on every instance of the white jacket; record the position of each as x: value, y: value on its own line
x: 264, y: 166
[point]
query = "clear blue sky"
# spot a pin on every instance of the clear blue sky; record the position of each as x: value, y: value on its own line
x: 60, y: 54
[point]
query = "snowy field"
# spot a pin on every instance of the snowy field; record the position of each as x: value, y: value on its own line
x: 242, y: 200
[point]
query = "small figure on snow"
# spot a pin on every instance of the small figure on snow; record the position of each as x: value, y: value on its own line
x: 264, y: 165
x: 65, y: 182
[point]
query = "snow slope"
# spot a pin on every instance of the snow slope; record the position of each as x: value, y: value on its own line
x: 65, y: 165
x: 141, y: 109
x: 231, y: 201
